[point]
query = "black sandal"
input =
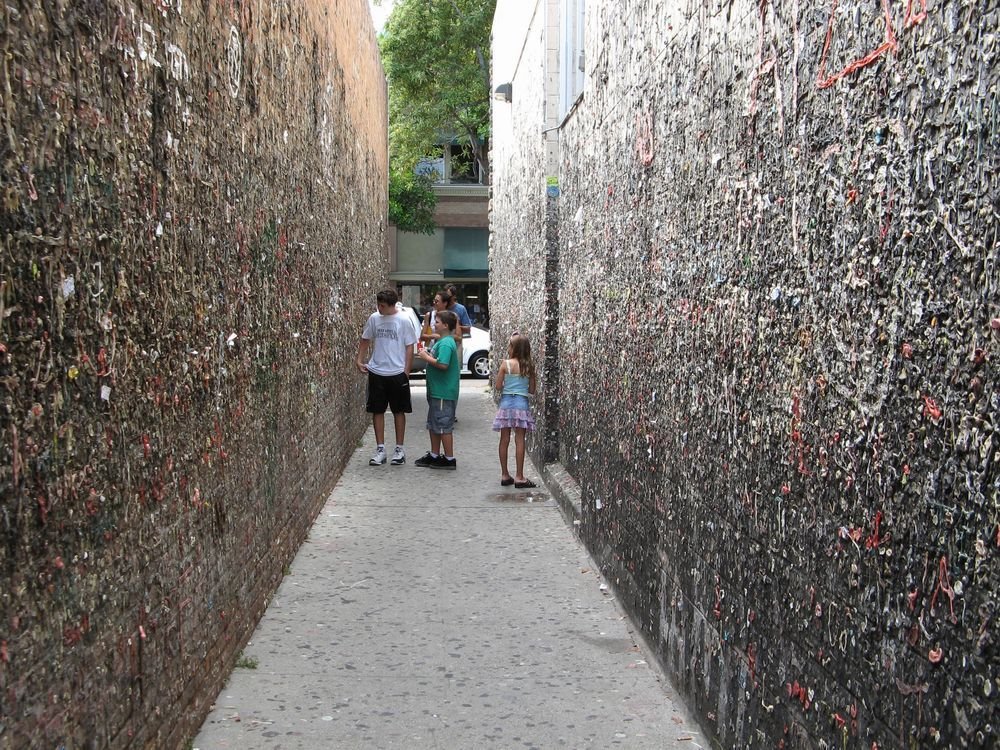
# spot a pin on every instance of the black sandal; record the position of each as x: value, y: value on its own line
x: 526, y: 484
x: 507, y: 482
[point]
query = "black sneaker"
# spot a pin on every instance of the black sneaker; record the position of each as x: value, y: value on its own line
x: 425, y: 460
x: 444, y: 463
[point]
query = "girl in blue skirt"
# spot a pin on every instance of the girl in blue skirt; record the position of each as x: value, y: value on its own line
x: 515, y: 381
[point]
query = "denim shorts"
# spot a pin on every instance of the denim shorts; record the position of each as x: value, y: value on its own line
x: 514, y: 402
x: 440, y: 415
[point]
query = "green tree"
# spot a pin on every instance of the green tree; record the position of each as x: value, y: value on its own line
x: 436, y: 55
x: 411, y: 201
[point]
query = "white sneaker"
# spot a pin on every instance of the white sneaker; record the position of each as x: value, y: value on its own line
x: 398, y: 457
x: 378, y: 458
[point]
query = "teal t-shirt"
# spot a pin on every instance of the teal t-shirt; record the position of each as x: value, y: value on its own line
x: 444, y: 383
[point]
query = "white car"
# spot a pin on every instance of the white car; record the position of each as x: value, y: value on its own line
x: 475, y: 351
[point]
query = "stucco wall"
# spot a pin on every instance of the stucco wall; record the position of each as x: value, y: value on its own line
x: 778, y: 300
x: 192, y: 233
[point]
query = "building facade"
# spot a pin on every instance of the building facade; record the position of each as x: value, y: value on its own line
x: 455, y: 254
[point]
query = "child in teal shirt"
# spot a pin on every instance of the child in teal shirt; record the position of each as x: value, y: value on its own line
x: 443, y: 374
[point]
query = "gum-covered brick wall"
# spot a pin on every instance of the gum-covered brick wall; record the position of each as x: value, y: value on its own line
x: 779, y: 327
x: 192, y: 230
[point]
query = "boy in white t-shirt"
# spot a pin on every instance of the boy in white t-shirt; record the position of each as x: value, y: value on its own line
x: 389, y: 338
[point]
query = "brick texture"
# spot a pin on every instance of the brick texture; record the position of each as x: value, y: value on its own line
x: 774, y: 260
x: 193, y: 227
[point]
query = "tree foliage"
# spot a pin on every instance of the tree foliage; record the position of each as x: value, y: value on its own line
x: 436, y: 55
x: 411, y: 202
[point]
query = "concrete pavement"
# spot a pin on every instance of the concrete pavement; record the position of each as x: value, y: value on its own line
x: 436, y: 609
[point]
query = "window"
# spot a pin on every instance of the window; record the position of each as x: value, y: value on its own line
x: 473, y: 294
x: 462, y: 164
x: 431, y: 167
x: 572, y: 61
x: 456, y: 165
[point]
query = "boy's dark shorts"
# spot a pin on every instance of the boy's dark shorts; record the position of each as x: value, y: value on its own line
x: 392, y: 391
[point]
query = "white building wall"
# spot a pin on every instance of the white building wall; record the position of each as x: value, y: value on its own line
x: 523, y: 154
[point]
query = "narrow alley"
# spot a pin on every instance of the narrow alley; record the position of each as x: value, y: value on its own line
x: 432, y: 609
x: 755, y: 247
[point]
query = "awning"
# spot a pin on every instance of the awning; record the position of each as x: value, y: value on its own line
x: 466, y: 252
